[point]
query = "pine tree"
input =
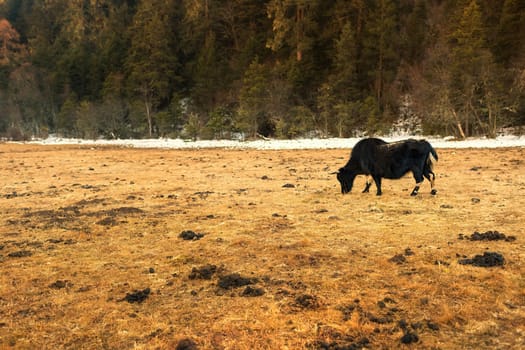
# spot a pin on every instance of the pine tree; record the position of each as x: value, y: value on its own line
x: 296, y: 44
x: 291, y: 20
x: 416, y: 31
x: 510, y: 41
x: 137, y: 59
x: 151, y: 61
x: 473, y: 90
x: 345, y: 64
x: 340, y: 93
x: 253, y: 99
x: 381, y: 56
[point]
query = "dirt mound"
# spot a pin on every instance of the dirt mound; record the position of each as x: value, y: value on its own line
x: 60, y: 284
x: 409, y: 337
x: 488, y: 259
x: 186, y: 344
x: 250, y: 291
x: 235, y: 280
x: 306, y: 301
x: 202, y: 273
x: 124, y: 211
x: 344, y: 344
x: 400, y: 259
x: 109, y: 221
x: 189, y: 235
x: 20, y: 254
x: 137, y: 296
x: 488, y: 236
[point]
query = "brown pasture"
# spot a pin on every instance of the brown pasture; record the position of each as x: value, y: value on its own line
x: 91, y: 255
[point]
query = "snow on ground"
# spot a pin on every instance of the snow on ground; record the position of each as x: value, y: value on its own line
x: 330, y: 143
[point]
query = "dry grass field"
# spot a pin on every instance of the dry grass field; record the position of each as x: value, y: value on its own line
x: 272, y: 255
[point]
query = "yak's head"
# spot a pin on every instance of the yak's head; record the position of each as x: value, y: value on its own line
x: 346, y: 179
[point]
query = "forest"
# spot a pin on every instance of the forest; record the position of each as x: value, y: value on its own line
x: 205, y: 69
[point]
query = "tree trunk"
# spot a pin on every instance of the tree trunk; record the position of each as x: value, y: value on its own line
x: 458, y: 124
x: 492, y: 124
x: 299, y: 18
x: 379, y: 75
x: 325, y: 125
x: 147, y: 103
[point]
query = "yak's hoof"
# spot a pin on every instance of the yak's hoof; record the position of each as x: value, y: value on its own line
x: 433, y: 192
x: 414, y: 193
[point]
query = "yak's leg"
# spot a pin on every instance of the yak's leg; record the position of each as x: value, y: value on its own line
x: 415, y: 191
x: 419, y: 180
x: 368, y: 184
x: 377, y: 180
x: 431, y: 177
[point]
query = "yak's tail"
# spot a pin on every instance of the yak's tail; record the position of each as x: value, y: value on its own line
x: 432, y: 157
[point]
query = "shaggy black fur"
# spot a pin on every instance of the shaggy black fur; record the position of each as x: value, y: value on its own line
x: 379, y: 159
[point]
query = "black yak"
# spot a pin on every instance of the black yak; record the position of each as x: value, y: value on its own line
x: 379, y: 159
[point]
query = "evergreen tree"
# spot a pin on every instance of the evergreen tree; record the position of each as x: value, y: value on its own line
x: 253, y: 99
x: 337, y: 66
x: 213, y: 40
x: 466, y: 55
x: 208, y: 75
x: 344, y: 77
x: 416, y: 30
x: 509, y: 44
x: 66, y: 119
x: 339, y: 94
x: 297, y: 41
x: 292, y: 24
x: 381, y: 49
x: 475, y: 94
x: 152, y: 63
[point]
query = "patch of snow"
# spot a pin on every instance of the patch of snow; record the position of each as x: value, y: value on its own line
x: 329, y: 143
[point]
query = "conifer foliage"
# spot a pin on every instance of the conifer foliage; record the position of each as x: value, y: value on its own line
x: 251, y: 68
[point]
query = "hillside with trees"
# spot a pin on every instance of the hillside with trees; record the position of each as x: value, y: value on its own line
x: 277, y: 68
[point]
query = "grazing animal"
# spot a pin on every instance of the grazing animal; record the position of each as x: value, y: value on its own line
x: 379, y: 159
